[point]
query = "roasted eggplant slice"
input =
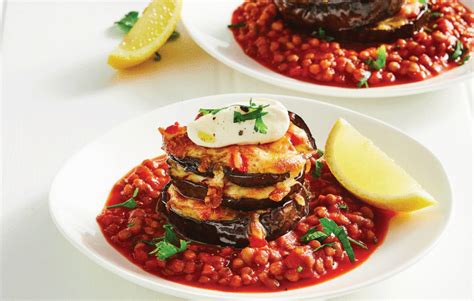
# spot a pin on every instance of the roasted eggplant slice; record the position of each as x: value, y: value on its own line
x: 336, y: 15
x: 390, y: 29
x: 226, y: 227
x: 255, y: 179
x: 198, y: 191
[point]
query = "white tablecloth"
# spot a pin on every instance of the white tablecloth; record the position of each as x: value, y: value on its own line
x: 59, y: 94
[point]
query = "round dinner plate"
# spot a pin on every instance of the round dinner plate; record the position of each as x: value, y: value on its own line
x: 206, y: 21
x: 80, y: 189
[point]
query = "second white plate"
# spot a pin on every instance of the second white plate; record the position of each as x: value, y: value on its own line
x: 207, y: 20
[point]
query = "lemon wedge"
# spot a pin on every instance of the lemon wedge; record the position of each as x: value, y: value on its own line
x: 151, y: 31
x: 370, y: 174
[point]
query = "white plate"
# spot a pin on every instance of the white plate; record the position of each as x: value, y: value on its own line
x: 208, y: 28
x: 82, y: 186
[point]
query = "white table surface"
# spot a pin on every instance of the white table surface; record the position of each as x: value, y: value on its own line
x: 59, y: 94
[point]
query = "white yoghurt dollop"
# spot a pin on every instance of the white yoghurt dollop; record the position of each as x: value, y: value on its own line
x: 218, y: 129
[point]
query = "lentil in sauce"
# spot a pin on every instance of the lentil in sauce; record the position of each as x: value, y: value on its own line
x: 283, y: 264
x: 264, y: 36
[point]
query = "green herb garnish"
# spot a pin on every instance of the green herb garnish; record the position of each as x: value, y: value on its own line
x: 153, y: 241
x: 129, y: 225
x: 174, y: 36
x: 435, y: 15
x: 313, y: 234
x: 358, y: 243
x: 422, y: 1
x: 321, y: 34
x: 330, y: 227
x: 157, y: 57
x: 460, y: 53
x: 237, y: 25
x: 169, y: 245
x: 381, y: 60
x: 254, y: 112
x: 210, y: 111
x: 318, y: 166
x: 342, y: 206
x: 130, y: 203
x: 127, y: 22
x: 363, y: 82
x: 299, y: 269
x: 330, y: 244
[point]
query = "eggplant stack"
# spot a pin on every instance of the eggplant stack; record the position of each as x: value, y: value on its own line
x: 239, y: 194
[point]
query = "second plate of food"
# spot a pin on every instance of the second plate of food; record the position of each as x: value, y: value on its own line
x: 407, y: 47
x: 239, y: 217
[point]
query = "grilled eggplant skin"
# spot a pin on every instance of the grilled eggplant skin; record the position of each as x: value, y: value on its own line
x: 336, y: 15
x: 248, y: 179
x: 386, y: 30
x: 197, y: 191
x: 234, y: 233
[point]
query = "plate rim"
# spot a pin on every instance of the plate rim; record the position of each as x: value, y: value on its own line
x: 179, y: 290
x: 316, y: 89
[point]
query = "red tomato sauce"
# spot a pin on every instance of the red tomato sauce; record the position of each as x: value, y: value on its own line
x: 283, y: 264
x: 265, y: 37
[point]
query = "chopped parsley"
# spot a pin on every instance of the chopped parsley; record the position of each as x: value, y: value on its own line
x: 358, y: 243
x: 318, y: 165
x: 169, y: 245
x: 237, y: 25
x: 127, y: 22
x: 174, y: 36
x: 321, y: 34
x: 331, y: 228
x: 381, y: 60
x: 130, y: 203
x: 423, y: 1
x: 299, y: 269
x: 253, y: 112
x: 210, y: 111
x: 363, y: 82
x: 460, y: 53
x: 330, y: 244
x: 152, y: 242
x: 436, y: 15
x: 129, y: 225
x: 313, y: 234
x: 342, y: 206
x: 157, y: 57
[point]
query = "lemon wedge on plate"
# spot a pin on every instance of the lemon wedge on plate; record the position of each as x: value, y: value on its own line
x: 151, y: 31
x: 366, y: 171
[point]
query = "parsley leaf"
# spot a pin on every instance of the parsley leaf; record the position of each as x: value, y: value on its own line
x: 363, y: 82
x: 330, y: 244
x: 153, y: 241
x: 435, y: 15
x: 358, y: 243
x: 237, y: 25
x: 331, y: 227
x: 169, y: 245
x: 174, y: 36
x: 318, y: 166
x: 127, y: 22
x: 164, y: 249
x: 458, y: 51
x: 254, y: 112
x: 157, y: 57
x: 465, y: 59
x: 381, y: 60
x: 299, y: 269
x: 210, y: 111
x: 313, y: 234
x: 130, y: 203
x: 342, y: 206
x: 321, y: 34
x: 422, y: 1
x: 260, y: 127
